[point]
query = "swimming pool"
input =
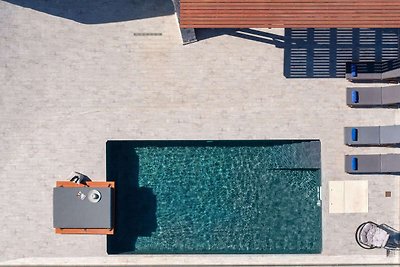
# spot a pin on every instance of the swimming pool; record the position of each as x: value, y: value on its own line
x: 215, y: 196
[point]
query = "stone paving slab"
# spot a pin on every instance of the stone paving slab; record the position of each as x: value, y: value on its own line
x: 349, y: 196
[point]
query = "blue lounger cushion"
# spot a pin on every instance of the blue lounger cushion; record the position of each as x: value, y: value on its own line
x: 353, y: 70
x: 354, y: 164
x: 354, y: 134
x: 354, y: 96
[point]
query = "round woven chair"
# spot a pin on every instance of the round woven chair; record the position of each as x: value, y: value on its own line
x: 370, y: 235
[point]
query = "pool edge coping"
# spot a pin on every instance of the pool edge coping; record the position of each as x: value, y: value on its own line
x: 212, y: 260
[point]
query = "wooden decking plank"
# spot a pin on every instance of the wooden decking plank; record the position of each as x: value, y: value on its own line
x: 289, y: 13
x: 88, y: 231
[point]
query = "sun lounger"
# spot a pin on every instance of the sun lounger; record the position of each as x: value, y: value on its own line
x: 370, y: 235
x: 373, y: 96
x: 369, y: 135
x: 374, y: 163
x: 389, y: 135
x: 391, y: 74
x: 372, y: 135
x: 373, y: 71
x: 364, y: 77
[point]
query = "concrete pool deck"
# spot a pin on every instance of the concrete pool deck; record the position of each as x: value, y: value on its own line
x: 68, y: 87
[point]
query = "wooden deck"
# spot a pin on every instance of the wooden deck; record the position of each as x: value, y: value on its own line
x: 290, y: 14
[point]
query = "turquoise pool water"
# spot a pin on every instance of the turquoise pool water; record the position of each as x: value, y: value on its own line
x: 216, y: 197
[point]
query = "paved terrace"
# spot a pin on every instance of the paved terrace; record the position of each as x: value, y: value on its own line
x: 68, y: 86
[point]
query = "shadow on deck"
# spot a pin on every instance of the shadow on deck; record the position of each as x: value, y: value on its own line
x: 135, y: 207
x: 99, y: 11
x: 323, y: 53
x: 320, y: 53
